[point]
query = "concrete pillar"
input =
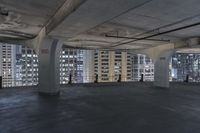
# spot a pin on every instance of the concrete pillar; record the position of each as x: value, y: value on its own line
x: 124, y: 66
x: 111, y: 66
x: 49, y: 73
x: 88, y: 65
x: 161, y: 56
x: 99, y: 66
x: 161, y: 70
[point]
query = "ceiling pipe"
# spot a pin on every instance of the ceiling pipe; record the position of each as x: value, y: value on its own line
x: 158, y: 34
x: 169, y: 25
x: 156, y: 30
x: 159, y: 40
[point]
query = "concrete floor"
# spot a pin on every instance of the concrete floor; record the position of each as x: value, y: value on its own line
x: 106, y: 108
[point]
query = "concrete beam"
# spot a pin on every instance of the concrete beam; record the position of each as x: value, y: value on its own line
x: 32, y: 43
x: 66, y: 9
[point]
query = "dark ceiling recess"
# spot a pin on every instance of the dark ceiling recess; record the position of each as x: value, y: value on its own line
x: 3, y: 11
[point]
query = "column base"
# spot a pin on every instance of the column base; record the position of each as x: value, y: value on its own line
x: 161, y: 85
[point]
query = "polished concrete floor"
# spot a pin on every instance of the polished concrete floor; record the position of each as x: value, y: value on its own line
x: 102, y: 108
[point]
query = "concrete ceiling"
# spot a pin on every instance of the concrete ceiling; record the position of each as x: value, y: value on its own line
x: 88, y: 25
x: 26, y: 17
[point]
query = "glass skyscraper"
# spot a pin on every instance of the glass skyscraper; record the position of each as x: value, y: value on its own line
x: 26, y: 66
x: 71, y: 63
x: 7, y: 64
x: 184, y: 64
x: 141, y: 64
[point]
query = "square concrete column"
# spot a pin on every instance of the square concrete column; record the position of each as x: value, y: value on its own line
x: 49, y: 66
x: 124, y: 66
x: 161, y: 70
x: 111, y: 66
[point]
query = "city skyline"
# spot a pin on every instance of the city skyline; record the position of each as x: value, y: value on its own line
x: 84, y: 65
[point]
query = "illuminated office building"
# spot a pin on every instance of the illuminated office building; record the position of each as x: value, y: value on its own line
x: 109, y: 65
x: 142, y: 65
x: 26, y: 66
x: 7, y: 64
x: 184, y: 64
x: 71, y: 63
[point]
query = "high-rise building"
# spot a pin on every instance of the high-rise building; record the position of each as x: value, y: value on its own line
x: 110, y: 65
x: 71, y: 63
x: 88, y: 66
x: 19, y: 65
x: 142, y: 65
x: 184, y: 64
x: 26, y: 66
x: 7, y: 64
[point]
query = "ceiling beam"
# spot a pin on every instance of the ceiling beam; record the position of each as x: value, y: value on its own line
x: 66, y: 9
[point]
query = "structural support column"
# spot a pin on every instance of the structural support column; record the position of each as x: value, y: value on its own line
x: 111, y: 66
x: 161, y: 70
x: 161, y: 56
x: 124, y: 66
x: 49, y: 73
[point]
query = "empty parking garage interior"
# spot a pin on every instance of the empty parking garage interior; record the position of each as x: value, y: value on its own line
x: 99, y: 66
